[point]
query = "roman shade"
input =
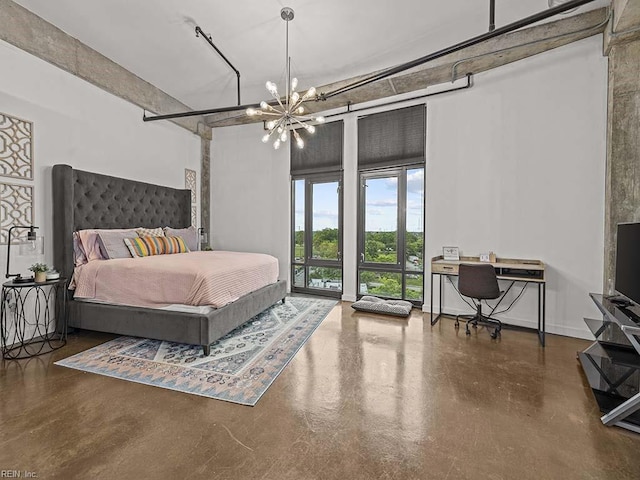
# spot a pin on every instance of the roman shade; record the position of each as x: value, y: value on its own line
x: 391, y: 139
x: 322, y: 150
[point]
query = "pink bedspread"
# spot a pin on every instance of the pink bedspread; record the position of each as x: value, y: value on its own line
x: 196, y: 278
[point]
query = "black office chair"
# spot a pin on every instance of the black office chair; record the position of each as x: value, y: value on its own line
x: 479, y: 282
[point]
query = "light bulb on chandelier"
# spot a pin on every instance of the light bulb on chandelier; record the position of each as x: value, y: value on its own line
x: 289, y: 114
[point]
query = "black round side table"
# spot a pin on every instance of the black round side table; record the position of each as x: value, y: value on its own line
x: 33, y: 318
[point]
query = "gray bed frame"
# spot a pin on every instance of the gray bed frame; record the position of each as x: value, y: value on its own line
x: 84, y: 200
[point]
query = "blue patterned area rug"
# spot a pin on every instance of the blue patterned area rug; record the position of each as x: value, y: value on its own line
x: 242, y: 364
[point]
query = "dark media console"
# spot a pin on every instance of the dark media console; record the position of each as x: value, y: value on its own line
x: 612, y: 363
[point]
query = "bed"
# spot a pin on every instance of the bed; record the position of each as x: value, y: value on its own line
x: 86, y: 200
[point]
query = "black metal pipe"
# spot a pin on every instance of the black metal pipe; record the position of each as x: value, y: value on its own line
x: 458, y: 46
x: 193, y: 113
x: 394, y: 102
x: 492, y: 15
x: 238, y: 83
x: 533, y: 42
x: 405, y: 66
x: 199, y: 32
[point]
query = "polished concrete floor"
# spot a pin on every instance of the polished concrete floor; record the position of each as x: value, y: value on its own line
x: 367, y: 397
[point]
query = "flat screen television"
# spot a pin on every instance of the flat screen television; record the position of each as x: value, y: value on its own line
x: 628, y: 261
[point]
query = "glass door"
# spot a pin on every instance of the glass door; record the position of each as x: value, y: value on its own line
x: 391, y: 234
x: 317, y: 235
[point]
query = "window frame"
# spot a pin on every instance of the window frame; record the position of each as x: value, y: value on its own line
x: 308, y: 261
x: 400, y: 172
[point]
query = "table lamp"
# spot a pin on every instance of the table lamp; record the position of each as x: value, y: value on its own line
x: 32, y: 245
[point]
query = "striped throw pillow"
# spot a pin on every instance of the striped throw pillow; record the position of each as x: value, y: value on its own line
x: 174, y: 245
x: 147, y: 246
x: 144, y: 246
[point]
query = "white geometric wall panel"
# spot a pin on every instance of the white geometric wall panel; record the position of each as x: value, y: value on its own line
x: 16, y: 147
x: 16, y: 208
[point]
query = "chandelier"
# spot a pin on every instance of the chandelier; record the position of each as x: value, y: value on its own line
x: 289, y: 113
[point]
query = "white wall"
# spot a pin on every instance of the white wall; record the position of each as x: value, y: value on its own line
x: 250, y: 194
x: 81, y: 125
x: 517, y: 165
x: 514, y: 165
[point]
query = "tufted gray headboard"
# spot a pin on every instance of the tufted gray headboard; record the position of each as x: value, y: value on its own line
x: 83, y: 200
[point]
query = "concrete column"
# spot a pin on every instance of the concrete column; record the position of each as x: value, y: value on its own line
x: 205, y: 184
x: 622, y: 203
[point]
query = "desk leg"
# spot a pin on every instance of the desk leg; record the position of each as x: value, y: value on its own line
x: 541, y: 312
x: 431, y: 300
x: 544, y: 313
x: 441, y: 295
x: 435, y: 320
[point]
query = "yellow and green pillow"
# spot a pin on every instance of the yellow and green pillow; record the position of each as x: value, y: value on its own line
x: 150, y: 245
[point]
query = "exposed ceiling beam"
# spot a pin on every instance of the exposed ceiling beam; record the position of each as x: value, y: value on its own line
x: 627, y: 15
x: 485, y: 56
x: 625, y: 24
x: 29, y: 32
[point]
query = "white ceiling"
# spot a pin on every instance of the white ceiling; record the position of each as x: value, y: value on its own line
x: 329, y: 40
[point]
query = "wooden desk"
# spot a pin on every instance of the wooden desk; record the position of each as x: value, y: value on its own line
x: 510, y: 269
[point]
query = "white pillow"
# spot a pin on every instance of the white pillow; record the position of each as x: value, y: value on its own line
x: 189, y: 235
x: 92, y: 245
x: 112, y: 243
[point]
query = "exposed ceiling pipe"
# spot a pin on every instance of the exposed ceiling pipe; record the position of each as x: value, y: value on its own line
x: 492, y: 15
x: 457, y: 47
x: 350, y: 110
x: 598, y: 26
x: 468, y: 85
x: 199, y: 32
x: 403, y: 67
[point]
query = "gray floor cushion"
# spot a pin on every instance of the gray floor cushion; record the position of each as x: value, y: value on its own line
x: 399, y: 308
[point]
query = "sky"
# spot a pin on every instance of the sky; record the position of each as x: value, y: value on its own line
x: 381, y: 209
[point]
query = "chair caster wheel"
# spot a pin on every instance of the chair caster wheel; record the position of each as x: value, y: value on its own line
x: 468, y: 332
x: 474, y: 325
x: 494, y: 335
x: 457, y: 325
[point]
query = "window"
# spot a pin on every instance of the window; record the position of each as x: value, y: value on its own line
x: 316, y: 171
x: 391, y: 155
x: 391, y: 233
x: 317, y: 236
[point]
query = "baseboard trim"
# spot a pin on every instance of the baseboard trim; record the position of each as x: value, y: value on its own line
x: 563, y: 330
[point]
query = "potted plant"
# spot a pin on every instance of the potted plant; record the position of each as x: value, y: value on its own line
x: 40, y: 271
